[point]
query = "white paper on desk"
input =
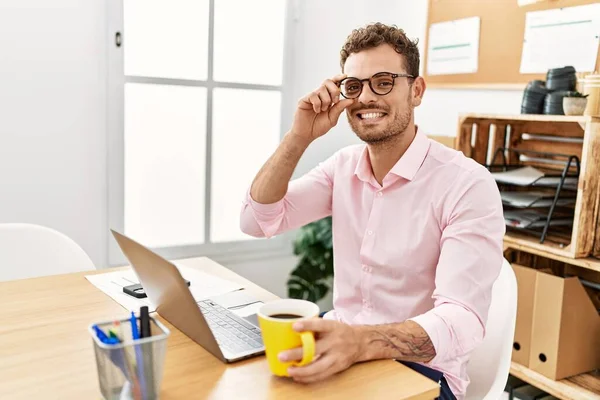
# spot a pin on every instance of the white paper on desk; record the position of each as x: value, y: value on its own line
x: 202, y: 286
x: 240, y: 302
x: 237, y: 299
x: 453, y: 47
x: 248, y: 310
x: 560, y: 37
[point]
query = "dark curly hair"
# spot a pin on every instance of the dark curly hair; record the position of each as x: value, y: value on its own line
x: 376, y: 34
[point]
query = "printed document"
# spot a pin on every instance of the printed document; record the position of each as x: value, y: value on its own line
x: 559, y: 37
x: 453, y: 47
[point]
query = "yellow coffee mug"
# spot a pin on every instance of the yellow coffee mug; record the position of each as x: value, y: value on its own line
x: 276, y: 319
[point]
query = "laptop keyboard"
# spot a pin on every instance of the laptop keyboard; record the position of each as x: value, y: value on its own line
x: 231, y: 331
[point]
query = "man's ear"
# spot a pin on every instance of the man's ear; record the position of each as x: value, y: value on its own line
x: 418, y: 90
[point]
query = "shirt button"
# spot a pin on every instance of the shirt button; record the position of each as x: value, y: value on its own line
x: 379, y: 194
x: 369, y: 232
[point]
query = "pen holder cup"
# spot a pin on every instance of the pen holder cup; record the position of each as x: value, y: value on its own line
x: 131, y: 369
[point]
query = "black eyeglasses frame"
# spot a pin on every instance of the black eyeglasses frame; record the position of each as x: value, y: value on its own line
x: 361, y: 81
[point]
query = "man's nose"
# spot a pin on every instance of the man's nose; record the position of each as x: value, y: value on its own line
x: 367, y: 96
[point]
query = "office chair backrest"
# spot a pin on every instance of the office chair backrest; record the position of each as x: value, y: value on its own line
x: 28, y: 251
x: 489, y: 363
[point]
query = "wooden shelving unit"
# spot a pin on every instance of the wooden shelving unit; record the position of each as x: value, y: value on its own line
x: 531, y: 117
x: 479, y: 136
x: 526, y: 244
x: 580, y: 387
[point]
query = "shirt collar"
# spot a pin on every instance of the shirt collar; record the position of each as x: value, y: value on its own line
x: 363, y: 169
x: 406, y: 167
x: 410, y: 162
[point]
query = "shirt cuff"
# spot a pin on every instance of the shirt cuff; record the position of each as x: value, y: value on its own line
x: 331, y: 315
x: 267, y: 209
x: 267, y: 216
x: 436, y: 329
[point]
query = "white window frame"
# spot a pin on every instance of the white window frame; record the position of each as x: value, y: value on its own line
x: 221, y: 252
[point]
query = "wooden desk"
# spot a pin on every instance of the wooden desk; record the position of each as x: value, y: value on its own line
x: 45, y: 351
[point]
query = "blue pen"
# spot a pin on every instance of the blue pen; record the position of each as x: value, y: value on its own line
x: 103, y: 337
x: 134, y: 328
x: 139, y: 356
x: 115, y: 356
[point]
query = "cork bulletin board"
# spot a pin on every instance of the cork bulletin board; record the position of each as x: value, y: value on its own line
x: 502, y: 29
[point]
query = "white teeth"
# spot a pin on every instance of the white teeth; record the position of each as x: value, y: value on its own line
x: 372, y: 115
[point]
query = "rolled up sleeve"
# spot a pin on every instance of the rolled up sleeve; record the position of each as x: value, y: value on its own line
x: 470, y: 260
x: 308, y: 199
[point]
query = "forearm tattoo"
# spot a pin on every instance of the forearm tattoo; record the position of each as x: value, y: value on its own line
x: 406, y: 341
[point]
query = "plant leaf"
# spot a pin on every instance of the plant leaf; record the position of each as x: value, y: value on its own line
x: 310, y: 280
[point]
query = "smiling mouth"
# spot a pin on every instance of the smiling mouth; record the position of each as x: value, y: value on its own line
x: 371, y: 115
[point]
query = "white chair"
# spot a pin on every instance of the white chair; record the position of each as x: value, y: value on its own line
x: 489, y: 363
x: 28, y: 251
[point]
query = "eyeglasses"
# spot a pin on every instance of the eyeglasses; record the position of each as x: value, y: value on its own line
x: 381, y: 83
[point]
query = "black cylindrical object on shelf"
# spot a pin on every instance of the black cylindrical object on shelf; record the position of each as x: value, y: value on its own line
x: 558, y: 79
x: 553, y: 103
x: 533, y: 97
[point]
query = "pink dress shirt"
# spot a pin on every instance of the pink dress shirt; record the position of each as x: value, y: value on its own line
x: 425, y: 246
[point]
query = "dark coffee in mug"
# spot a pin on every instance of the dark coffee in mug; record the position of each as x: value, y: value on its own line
x: 285, y: 316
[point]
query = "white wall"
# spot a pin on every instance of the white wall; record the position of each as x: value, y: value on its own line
x: 438, y: 114
x: 53, y: 118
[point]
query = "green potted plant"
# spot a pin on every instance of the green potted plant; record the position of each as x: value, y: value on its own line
x: 312, y: 278
x: 574, y: 103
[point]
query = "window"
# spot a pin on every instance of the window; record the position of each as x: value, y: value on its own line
x: 196, y: 94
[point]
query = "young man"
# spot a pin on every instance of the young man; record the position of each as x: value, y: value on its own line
x: 417, y: 227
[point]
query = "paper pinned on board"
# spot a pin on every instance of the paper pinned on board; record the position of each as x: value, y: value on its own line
x: 522, y: 3
x: 560, y: 37
x: 453, y: 47
x: 202, y: 286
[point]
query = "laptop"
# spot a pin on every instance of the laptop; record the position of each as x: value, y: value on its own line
x: 224, y: 334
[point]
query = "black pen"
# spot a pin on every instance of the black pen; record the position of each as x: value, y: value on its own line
x: 144, y: 322
x: 147, y: 351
